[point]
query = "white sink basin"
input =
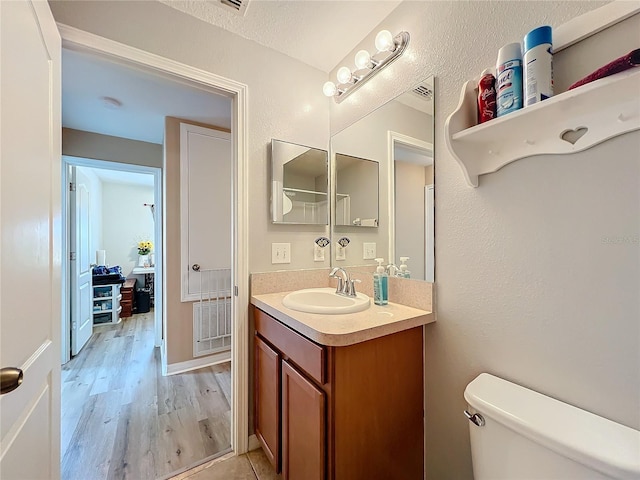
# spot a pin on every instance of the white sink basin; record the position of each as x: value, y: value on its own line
x: 325, y: 300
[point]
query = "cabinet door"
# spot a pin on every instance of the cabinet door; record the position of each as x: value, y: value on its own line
x: 206, y: 176
x: 267, y: 400
x: 303, y: 427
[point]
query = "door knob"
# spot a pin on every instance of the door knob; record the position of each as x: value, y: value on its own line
x: 195, y: 267
x: 10, y: 379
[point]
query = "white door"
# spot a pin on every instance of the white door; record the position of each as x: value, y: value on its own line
x: 205, y: 206
x: 30, y: 239
x: 80, y: 265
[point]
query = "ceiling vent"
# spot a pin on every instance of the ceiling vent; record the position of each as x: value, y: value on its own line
x: 238, y: 6
x: 423, y: 92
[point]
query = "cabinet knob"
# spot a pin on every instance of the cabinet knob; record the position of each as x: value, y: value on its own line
x: 10, y: 379
x: 195, y: 267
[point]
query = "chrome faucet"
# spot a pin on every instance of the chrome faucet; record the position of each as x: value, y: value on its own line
x: 342, y: 281
x: 389, y: 269
x: 346, y: 286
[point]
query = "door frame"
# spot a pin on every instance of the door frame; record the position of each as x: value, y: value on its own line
x: 67, y: 161
x: 393, y: 139
x: 79, y: 40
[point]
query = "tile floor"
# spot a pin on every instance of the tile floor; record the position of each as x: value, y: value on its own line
x: 251, y: 466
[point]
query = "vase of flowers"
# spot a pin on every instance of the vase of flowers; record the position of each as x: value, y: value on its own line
x: 144, y: 249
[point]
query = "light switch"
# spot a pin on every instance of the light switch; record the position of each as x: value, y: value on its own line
x: 368, y: 251
x: 318, y: 253
x: 280, y: 253
x: 341, y: 252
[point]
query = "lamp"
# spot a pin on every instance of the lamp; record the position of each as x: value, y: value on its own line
x: 388, y: 48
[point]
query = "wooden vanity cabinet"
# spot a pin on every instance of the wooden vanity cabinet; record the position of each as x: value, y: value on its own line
x: 340, y: 413
x: 303, y: 426
x: 267, y: 411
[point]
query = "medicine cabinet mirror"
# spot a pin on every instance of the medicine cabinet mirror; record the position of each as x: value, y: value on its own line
x: 398, y: 138
x: 299, y: 184
x: 356, y: 199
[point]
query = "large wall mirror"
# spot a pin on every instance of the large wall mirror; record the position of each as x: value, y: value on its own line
x: 398, y: 138
x: 299, y: 184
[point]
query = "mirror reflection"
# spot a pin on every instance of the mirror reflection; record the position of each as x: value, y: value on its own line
x: 399, y: 137
x: 356, y: 200
x: 299, y: 184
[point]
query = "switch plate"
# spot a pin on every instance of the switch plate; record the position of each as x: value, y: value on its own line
x: 280, y: 253
x: 368, y: 251
x: 341, y: 252
x: 318, y: 253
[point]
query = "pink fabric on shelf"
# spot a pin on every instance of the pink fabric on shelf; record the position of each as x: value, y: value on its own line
x: 621, y: 64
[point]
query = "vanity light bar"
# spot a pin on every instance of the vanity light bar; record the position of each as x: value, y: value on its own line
x: 366, y: 65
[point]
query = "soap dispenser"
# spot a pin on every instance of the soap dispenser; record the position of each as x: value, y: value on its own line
x: 404, y: 269
x: 380, y: 284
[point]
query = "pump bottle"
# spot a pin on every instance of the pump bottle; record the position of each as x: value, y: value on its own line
x: 404, y: 268
x: 380, y: 284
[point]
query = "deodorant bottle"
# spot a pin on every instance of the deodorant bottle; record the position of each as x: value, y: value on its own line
x: 538, y: 66
x: 509, y: 79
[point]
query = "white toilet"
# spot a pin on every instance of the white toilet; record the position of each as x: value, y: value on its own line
x: 519, y: 434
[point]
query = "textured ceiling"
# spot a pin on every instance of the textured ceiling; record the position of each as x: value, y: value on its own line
x: 319, y: 33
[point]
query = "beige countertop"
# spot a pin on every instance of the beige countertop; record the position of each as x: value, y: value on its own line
x: 344, y: 329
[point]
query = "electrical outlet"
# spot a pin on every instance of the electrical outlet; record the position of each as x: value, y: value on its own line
x: 280, y: 253
x: 341, y: 252
x: 368, y: 251
x: 318, y: 253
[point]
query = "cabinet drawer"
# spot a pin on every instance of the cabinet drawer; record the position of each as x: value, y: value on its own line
x: 127, y: 295
x: 307, y: 355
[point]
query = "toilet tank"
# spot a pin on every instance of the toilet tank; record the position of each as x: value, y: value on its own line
x: 527, y: 435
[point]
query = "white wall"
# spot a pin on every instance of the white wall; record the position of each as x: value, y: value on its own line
x: 87, y: 177
x: 538, y: 269
x: 125, y: 222
x: 285, y: 98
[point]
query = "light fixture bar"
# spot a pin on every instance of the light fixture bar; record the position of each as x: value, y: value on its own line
x: 343, y: 90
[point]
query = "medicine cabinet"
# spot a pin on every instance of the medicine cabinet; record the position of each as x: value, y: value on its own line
x: 299, y: 184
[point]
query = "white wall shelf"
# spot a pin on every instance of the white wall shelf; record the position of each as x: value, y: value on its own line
x: 599, y: 111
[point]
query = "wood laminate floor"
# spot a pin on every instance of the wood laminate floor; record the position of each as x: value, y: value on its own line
x: 121, y: 419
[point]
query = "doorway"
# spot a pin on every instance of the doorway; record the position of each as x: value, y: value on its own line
x: 237, y: 382
x: 124, y: 207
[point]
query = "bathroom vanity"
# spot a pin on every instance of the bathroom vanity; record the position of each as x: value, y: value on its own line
x: 340, y: 396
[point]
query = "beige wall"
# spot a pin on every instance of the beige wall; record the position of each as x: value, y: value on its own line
x: 77, y: 143
x: 538, y: 269
x: 179, y: 315
x: 285, y: 98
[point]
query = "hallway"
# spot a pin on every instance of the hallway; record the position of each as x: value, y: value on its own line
x: 121, y: 419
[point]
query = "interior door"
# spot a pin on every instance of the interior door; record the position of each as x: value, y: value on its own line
x: 30, y: 240
x: 205, y: 208
x: 80, y: 264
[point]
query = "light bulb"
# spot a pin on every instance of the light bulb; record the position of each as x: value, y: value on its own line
x: 363, y: 59
x: 329, y: 89
x: 384, y: 41
x: 344, y: 75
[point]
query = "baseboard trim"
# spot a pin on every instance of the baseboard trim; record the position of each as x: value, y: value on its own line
x: 181, y: 367
x: 163, y: 358
x: 254, y: 444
